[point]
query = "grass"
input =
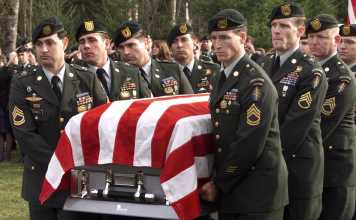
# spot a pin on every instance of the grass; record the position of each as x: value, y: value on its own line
x: 12, y: 206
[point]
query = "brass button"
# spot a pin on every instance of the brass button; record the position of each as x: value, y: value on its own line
x: 293, y: 155
x: 216, y: 124
x: 227, y: 111
x: 217, y: 137
x: 217, y: 110
x: 219, y: 149
x: 331, y: 147
x: 32, y: 167
x: 61, y: 120
x: 253, y: 168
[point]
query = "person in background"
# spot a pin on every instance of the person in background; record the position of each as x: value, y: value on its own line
x: 160, y: 50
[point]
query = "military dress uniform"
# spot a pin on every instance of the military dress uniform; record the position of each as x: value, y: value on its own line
x: 301, y: 87
x: 200, y: 76
x: 165, y: 77
x: 251, y: 174
x: 38, y: 116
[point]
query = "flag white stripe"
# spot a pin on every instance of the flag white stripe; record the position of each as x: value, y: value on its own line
x: 204, y: 165
x: 188, y: 127
x: 54, y: 178
x: 180, y: 185
x: 72, y: 130
x: 146, y: 127
x: 351, y: 13
x: 107, y: 129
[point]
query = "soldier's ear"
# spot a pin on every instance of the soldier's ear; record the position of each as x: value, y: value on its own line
x: 65, y: 42
x: 243, y: 36
x: 301, y: 30
x: 338, y: 39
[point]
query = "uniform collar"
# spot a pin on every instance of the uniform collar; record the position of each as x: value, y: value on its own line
x: 322, y: 62
x: 106, y: 67
x: 189, y: 66
x: 227, y: 70
x: 283, y: 57
x: 147, y: 67
x: 49, y: 74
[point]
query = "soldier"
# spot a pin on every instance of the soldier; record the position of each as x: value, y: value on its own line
x: 347, y: 48
x: 251, y: 175
x: 42, y: 100
x: 301, y: 87
x: 162, y: 77
x: 120, y: 80
x: 198, y: 72
x: 337, y: 120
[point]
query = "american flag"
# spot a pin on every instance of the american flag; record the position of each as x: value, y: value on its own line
x: 351, y: 11
x: 170, y: 133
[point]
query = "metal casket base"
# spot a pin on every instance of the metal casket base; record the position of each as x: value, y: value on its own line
x: 120, y: 208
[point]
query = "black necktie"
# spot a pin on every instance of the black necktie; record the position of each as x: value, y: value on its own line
x: 222, y: 79
x: 55, y: 86
x: 187, y: 72
x: 276, y: 65
x: 143, y: 74
x: 100, y: 72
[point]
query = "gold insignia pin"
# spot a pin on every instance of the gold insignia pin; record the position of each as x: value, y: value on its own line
x: 286, y: 10
x: 222, y: 23
x: 236, y: 73
x: 316, y: 25
x: 327, y: 69
x: 305, y: 100
x: 346, y: 30
x: 223, y: 104
x: 125, y: 94
x: 39, y: 78
x: 328, y: 106
x: 46, y: 30
x: 294, y: 61
x: 18, y: 117
x: 199, y: 67
x: 89, y: 25
x: 168, y: 90
x: 253, y: 116
x: 126, y: 32
x: 183, y: 28
x: 81, y: 108
x: 299, y: 69
x: 70, y: 75
x: 208, y: 72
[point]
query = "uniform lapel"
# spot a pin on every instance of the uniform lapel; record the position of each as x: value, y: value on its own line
x: 231, y: 80
x: 70, y: 85
x: 287, y: 67
x: 195, y: 74
x: 115, y: 81
x: 155, y: 78
x: 43, y: 87
x: 329, y: 66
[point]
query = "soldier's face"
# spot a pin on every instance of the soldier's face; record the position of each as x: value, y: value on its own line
x: 285, y: 34
x: 324, y: 43
x: 183, y: 49
x: 347, y: 49
x: 50, y: 50
x: 93, y: 48
x: 134, y: 51
x: 228, y: 45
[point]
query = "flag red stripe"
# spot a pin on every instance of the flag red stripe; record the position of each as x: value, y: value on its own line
x: 165, y: 126
x: 354, y: 6
x: 125, y: 136
x: 64, y: 153
x: 89, y: 134
x: 46, y: 192
x: 188, y: 207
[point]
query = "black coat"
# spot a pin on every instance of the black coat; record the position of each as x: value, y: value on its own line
x: 338, y: 125
x: 37, y: 118
x: 251, y: 173
x: 301, y: 87
x: 200, y: 78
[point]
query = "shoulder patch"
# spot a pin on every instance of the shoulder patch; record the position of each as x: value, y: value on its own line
x: 344, y: 81
x: 257, y: 82
x: 316, y: 79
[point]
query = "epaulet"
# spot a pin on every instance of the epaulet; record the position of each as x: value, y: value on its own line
x: 342, y: 67
x: 309, y: 59
x: 207, y: 62
x: 166, y: 61
x: 79, y: 67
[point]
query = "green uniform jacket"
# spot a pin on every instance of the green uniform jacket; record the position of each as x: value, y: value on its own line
x: 301, y: 87
x: 37, y: 119
x: 126, y: 82
x: 167, y: 79
x: 251, y: 174
x: 338, y: 125
x: 201, y: 75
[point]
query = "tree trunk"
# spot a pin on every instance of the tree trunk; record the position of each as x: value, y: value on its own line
x: 9, y: 19
x: 174, y: 11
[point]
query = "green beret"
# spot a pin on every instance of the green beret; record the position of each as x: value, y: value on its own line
x: 227, y: 19
x: 321, y: 22
x: 178, y: 30
x: 46, y: 28
x: 348, y: 30
x: 88, y: 27
x: 125, y: 31
x: 286, y: 10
